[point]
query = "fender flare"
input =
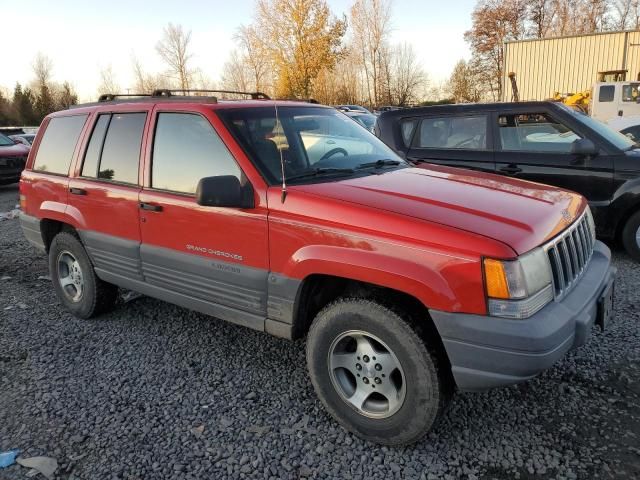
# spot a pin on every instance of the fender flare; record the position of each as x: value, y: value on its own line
x: 427, y: 285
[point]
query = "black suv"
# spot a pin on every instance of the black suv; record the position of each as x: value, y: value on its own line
x: 544, y: 142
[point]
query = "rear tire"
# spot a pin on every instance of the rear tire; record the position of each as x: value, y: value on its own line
x: 369, y: 340
x: 75, y: 281
x: 631, y: 236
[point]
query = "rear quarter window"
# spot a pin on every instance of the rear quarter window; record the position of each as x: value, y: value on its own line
x: 58, y: 144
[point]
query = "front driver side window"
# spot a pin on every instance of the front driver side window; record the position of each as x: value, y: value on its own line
x: 186, y: 148
x: 534, y: 132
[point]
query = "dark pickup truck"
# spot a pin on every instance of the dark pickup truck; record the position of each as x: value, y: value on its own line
x: 545, y: 142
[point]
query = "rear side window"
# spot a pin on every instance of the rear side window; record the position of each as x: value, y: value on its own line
x: 186, y: 148
x: 113, y: 152
x: 452, y: 133
x: 606, y: 93
x: 58, y: 144
x: 121, y: 150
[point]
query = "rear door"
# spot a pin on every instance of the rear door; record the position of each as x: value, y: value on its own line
x: 456, y: 140
x: 535, y: 144
x: 210, y: 259
x: 605, y: 103
x: 103, y: 197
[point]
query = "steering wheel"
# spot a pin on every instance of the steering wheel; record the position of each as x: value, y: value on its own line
x: 333, y: 152
x: 468, y: 141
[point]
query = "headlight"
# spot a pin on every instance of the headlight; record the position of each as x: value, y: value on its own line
x: 518, y: 288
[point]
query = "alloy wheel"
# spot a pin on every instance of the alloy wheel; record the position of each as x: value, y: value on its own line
x: 367, y: 374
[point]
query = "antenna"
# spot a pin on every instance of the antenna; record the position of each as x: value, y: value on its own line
x: 284, y: 182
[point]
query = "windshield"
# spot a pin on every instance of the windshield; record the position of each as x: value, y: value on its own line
x: 309, y: 139
x: 616, y: 138
x: 4, y: 140
x: 367, y: 120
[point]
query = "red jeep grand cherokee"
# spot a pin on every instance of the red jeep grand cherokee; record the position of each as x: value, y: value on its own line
x: 407, y: 282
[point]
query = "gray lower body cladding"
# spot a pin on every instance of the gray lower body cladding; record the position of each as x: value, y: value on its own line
x: 236, y: 293
x: 32, y: 231
x: 488, y: 352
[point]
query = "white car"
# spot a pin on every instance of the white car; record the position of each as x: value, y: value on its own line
x: 629, y: 126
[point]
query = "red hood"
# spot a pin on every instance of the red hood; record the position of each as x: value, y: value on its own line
x: 16, y: 150
x: 520, y: 214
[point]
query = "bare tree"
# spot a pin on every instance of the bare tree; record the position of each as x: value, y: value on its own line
x: 624, y: 17
x: 408, y: 80
x: 235, y: 74
x: 594, y: 16
x: 108, y: 83
x: 494, y: 23
x: 146, y: 82
x: 540, y: 14
x: 42, y: 69
x: 254, y: 56
x: 174, y: 50
x: 371, y: 25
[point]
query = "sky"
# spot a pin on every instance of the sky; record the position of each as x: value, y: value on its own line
x: 83, y: 36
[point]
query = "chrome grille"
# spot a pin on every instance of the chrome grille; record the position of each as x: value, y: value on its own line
x: 569, y: 254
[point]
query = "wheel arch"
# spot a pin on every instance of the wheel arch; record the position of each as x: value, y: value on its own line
x: 319, y: 290
x: 624, y: 218
x: 49, y: 228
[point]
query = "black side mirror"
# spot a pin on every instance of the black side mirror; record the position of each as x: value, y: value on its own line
x: 584, y: 148
x: 224, y: 191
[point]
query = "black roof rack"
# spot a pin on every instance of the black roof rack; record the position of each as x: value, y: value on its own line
x: 169, y: 92
x: 110, y: 97
x: 294, y: 99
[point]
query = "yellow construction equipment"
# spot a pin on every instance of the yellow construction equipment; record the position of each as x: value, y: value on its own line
x: 578, y: 100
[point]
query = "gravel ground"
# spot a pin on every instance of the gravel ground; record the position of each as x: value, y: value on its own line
x: 155, y: 391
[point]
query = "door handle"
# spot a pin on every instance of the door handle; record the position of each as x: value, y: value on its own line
x: 510, y: 169
x: 331, y: 142
x: 150, y: 207
x: 77, y: 191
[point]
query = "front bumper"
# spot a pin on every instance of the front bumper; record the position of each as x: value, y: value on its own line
x: 487, y: 352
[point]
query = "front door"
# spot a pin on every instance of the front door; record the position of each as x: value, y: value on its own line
x: 458, y: 141
x: 536, y: 146
x: 211, y: 259
x: 103, y: 196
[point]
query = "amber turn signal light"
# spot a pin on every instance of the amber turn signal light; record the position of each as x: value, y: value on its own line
x: 496, y: 279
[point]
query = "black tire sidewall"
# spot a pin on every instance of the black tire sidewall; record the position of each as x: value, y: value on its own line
x: 85, y: 308
x: 629, y: 236
x: 423, y: 400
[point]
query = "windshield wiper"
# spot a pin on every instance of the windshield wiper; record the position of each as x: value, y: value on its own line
x: 378, y: 164
x: 317, y: 172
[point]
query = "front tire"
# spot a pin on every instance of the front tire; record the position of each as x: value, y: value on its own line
x: 76, y: 284
x: 631, y: 236
x: 374, y: 373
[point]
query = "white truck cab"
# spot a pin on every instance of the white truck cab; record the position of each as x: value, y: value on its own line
x: 611, y: 100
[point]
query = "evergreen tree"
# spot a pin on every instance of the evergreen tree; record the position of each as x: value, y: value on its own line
x: 45, y: 103
x: 66, y: 97
x: 23, y: 107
